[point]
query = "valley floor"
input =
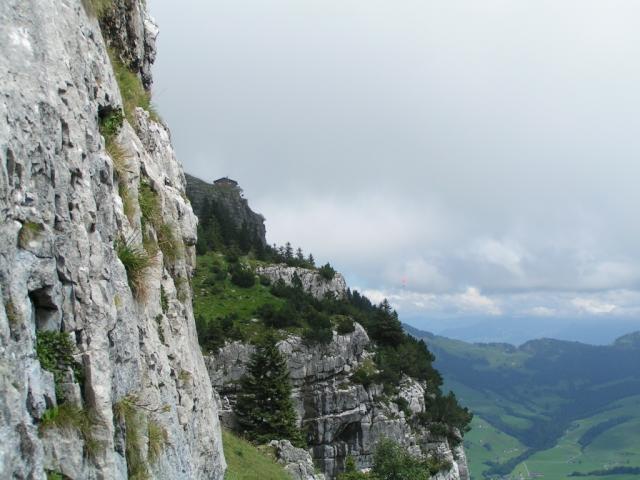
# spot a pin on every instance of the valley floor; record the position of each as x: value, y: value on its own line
x: 618, y: 446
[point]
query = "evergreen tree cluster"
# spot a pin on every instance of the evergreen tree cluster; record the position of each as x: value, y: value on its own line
x: 217, y: 231
x: 264, y: 407
x: 392, y: 462
x: 443, y: 415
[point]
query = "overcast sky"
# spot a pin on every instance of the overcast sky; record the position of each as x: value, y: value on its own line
x: 462, y: 157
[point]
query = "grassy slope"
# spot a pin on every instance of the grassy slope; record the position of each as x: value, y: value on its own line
x: 228, y: 297
x: 246, y: 462
x: 486, y: 443
x: 222, y: 298
x: 618, y: 446
x: 515, y: 408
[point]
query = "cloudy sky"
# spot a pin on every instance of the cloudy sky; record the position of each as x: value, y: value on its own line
x: 466, y: 159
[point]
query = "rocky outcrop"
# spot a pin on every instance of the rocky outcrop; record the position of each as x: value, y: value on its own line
x: 341, y: 417
x: 131, y: 33
x: 231, y: 200
x: 297, y: 461
x: 62, y: 213
x: 312, y: 282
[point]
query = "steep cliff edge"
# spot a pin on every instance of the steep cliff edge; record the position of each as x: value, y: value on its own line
x: 100, y: 375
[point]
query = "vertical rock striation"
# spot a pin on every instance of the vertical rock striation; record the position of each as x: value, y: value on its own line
x: 62, y: 213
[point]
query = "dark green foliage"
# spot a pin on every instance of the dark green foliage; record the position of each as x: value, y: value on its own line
x: 264, y: 407
x: 164, y: 300
x: 110, y: 123
x: 608, y: 471
x: 55, y: 352
x: 279, y: 317
x: 392, y: 462
x: 53, y: 475
x: 327, y: 271
x: 591, y: 434
x: 213, y: 333
x: 351, y: 472
x: 386, y: 328
x: 365, y: 374
x: 319, y: 327
x: 210, y: 333
x: 344, y: 325
x: 443, y: 413
x: 242, y: 276
x: 403, y: 406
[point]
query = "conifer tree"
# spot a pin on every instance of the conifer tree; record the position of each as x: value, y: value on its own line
x: 288, y: 252
x: 264, y: 407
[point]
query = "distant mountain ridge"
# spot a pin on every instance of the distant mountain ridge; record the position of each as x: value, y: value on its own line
x: 536, y: 391
x: 517, y: 330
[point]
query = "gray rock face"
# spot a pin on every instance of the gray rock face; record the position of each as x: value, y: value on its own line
x: 312, y: 281
x: 231, y: 199
x: 297, y: 461
x: 130, y: 31
x: 341, y: 417
x: 61, y: 213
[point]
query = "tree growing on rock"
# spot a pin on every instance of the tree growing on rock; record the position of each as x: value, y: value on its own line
x: 264, y: 407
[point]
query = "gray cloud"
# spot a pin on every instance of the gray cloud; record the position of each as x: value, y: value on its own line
x: 468, y: 154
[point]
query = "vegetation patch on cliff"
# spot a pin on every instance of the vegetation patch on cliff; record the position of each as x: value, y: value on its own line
x: 137, y: 427
x: 55, y: 352
x: 136, y: 261
x: 132, y: 91
x: 69, y: 418
x: 244, y: 460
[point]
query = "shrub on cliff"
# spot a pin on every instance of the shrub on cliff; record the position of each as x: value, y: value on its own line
x: 392, y: 462
x: 351, y: 472
x: 242, y: 276
x: 264, y: 406
x: 443, y: 415
x: 327, y: 271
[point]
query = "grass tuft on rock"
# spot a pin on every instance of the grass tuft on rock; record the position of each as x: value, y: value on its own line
x: 137, y: 426
x: 132, y: 91
x: 136, y: 261
x: 68, y: 418
x: 158, y: 439
x: 126, y: 412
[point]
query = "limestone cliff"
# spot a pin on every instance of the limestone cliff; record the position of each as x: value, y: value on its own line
x: 340, y: 416
x: 68, y: 207
x: 311, y: 281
